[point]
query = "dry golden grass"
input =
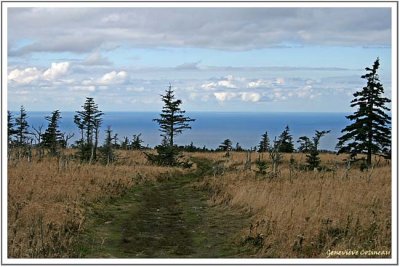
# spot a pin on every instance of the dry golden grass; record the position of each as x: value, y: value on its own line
x: 298, y: 214
x: 47, y: 199
x: 306, y: 213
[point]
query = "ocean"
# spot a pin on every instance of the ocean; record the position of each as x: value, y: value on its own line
x: 211, y: 128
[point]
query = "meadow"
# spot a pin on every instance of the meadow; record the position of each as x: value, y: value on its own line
x: 297, y: 213
x: 48, y: 199
x: 304, y: 213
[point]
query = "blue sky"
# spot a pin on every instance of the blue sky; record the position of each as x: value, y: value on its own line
x: 243, y: 59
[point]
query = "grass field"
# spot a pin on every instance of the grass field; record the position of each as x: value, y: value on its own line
x: 298, y: 213
x: 47, y: 199
x: 308, y: 213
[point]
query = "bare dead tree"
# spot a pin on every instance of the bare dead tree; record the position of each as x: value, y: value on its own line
x: 38, y: 135
x: 247, y: 163
x: 275, y: 156
x: 66, y: 137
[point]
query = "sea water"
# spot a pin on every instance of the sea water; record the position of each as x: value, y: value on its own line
x: 210, y: 129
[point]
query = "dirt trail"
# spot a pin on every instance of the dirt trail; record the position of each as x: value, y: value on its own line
x: 168, y: 219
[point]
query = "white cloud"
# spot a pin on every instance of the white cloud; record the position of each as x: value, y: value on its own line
x: 31, y: 74
x: 228, y: 81
x: 305, y: 91
x: 56, y: 70
x: 208, y: 86
x: 250, y: 97
x: 259, y: 83
x: 113, y: 77
x: 223, y: 96
x: 24, y: 76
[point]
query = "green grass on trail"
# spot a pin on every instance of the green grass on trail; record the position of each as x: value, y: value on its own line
x: 166, y: 219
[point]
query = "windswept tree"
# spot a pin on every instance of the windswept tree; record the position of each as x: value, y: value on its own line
x: 264, y: 143
x: 305, y: 144
x: 226, y: 146
x: 286, y: 141
x: 370, y: 131
x: 52, y: 137
x: 125, y: 143
x: 313, y: 159
x: 21, y: 130
x: 137, y: 142
x: 88, y: 121
x: 172, y: 122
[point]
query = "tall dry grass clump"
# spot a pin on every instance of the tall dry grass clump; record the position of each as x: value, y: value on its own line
x: 304, y: 213
x: 47, y: 199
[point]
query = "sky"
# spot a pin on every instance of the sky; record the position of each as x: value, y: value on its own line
x: 216, y: 59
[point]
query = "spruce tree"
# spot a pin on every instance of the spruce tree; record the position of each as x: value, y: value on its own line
x: 107, y: 151
x: 172, y: 120
x: 305, y: 144
x: 125, y: 143
x: 226, y: 146
x: 88, y: 121
x: 264, y: 143
x: 52, y: 137
x: 22, y: 126
x: 313, y: 159
x: 286, y: 141
x: 136, y: 142
x: 370, y: 132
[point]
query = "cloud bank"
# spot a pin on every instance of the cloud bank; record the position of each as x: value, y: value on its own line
x: 83, y: 30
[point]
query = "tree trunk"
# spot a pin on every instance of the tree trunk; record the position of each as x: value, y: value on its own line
x: 96, y: 142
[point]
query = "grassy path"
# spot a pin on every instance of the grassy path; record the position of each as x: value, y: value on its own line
x: 168, y: 219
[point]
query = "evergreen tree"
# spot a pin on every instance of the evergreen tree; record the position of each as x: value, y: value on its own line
x: 52, y: 137
x: 107, y: 151
x: 136, y: 142
x: 264, y: 143
x: 191, y: 147
x: 226, y: 146
x: 125, y: 143
x: 370, y: 132
x: 88, y: 121
x: 313, y: 159
x: 238, y: 147
x: 172, y: 120
x: 286, y: 141
x: 305, y: 144
x: 167, y: 155
x: 115, y: 144
x: 22, y: 126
